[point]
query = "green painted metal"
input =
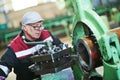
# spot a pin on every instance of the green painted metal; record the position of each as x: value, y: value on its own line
x: 85, y: 15
x: 111, y: 71
x: 58, y: 21
x: 3, y: 26
x: 87, y: 22
x: 110, y: 47
x: 117, y: 17
x: 8, y: 33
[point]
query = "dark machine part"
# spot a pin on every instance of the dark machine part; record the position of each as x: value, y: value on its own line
x: 89, y: 57
x: 51, y: 63
x: 51, y: 58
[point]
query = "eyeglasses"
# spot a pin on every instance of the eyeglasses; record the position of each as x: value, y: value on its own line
x: 37, y: 27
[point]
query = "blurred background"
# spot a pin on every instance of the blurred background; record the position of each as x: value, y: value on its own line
x: 55, y: 15
x: 58, y: 16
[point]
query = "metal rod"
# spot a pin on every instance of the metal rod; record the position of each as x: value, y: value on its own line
x: 33, y: 43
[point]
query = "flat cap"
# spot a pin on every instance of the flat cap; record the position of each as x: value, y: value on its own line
x: 31, y: 17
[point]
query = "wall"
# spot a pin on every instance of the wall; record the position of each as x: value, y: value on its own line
x: 47, y: 11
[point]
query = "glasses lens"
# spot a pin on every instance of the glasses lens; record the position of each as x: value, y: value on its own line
x: 38, y: 27
x: 42, y: 27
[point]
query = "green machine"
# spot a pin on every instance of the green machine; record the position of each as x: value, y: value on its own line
x: 94, y: 43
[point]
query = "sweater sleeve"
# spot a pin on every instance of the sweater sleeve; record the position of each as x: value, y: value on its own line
x: 7, y: 61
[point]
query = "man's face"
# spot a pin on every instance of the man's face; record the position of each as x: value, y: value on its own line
x: 33, y: 31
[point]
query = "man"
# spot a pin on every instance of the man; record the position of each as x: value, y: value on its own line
x: 17, y: 53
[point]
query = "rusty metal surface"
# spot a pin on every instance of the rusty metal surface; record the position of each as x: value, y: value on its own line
x: 89, y: 56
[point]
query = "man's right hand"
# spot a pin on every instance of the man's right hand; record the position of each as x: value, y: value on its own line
x: 2, y: 78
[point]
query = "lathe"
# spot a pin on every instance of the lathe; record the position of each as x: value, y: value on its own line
x: 94, y: 45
